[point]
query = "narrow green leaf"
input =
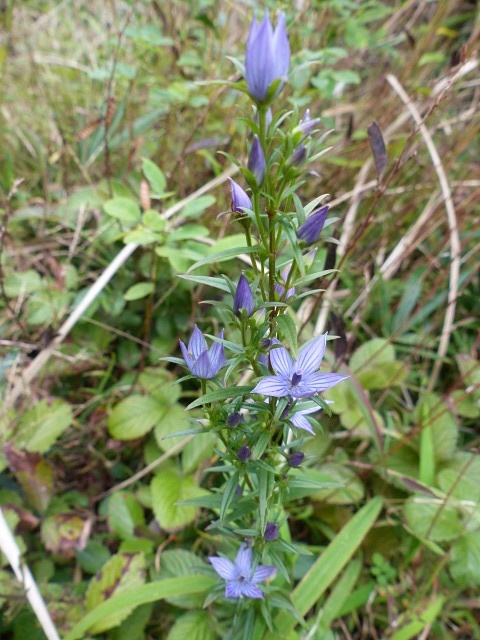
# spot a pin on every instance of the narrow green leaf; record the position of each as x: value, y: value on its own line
x: 154, y: 175
x: 219, y: 395
x: 138, y: 291
x: 225, y: 255
x: 141, y: 595
x: 416, y: 626
x: 329, y: 565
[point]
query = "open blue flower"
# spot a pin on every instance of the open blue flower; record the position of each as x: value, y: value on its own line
x: 203, y: 362
x: 267, y: 56
x: 241, y: 579
x: 298, y: 378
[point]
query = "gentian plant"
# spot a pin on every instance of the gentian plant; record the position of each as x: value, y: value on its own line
x: 261, y: 402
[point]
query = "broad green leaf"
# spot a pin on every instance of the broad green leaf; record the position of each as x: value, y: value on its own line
x: 196, y: 207
x: 460, y: 477
x: 134, y: 416
x: 328, y: 566
x: 153, y: 220
x: 188, y: 232
x: 119, y: 575
x: 139, y: 290
x: 141, y: 235
x: 167, y: 488
x: 124, y: 514
x: 200, y: 448
x: 349, y: 490
x: 195, y: 625
x: 23, y: 283
x: 33, y: 473
x: 65, y: 533
x: 465, y: 560
x: 388, y: 375
x: 173, y: 420
x: 141, y: 595
x: 93, y: 557
x: 41, y: 426
x: 432, y: 519
x: 178, y: 563
x: 123, y: 209
x: 155, y: 176
x: 372, y: 354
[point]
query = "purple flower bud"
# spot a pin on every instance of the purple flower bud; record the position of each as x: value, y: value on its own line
x: 243, y: 298
x: 240, y: 200
x: 256, y: 161
x: 307, y: 124
x: 267, y: 343
x: 234, y: 419
x: 244, y: 453
x: 298, y: 156
x: 271, y: 532
x: 296, y: 459
x: 267, y: 56
x: 281, y: 289
x: 311, y: 229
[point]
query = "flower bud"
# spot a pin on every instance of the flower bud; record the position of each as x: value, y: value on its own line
x: 240, y: 199
x: 306, y: 124
x: 234, y: 419
x: 256, y: 161
x: 271, y: 532
x: 267, y: 56
x: 311, y: 229
x: 243, y: 298
x: 296, y: 459
x: 244, y: 453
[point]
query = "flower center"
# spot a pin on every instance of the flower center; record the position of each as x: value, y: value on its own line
x: 242, y: 577
x: 296, y: 378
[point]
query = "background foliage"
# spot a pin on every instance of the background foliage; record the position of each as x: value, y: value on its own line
x: 108, y: 118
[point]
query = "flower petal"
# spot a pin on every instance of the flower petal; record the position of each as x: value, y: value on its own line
x: 203, y: 367
x: 272, y: 386
x: 282, y: 362
x: 262, y: 572
x: 243, y: 561
x: 281, y: 47
x: 217, y: 355
x: 224, y: 567
x: 322, y: 381
x: 311, y: 355
x: 197, y: 343
x: 186, y: 356
x: 250, y: 590
x: 300, y: 422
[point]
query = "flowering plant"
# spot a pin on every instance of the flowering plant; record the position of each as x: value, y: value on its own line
x: 261, y: 426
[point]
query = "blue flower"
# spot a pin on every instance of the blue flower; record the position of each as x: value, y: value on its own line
x: 267, y: 56
x: 298, y: 378
x: 256, y: 161
x: 240, y: 199
x: 311, y: 229
x: 243, y: 297
x: 280, y: 289
x: 203, y: 362
x: 241, y: 580
x: 307, y: 124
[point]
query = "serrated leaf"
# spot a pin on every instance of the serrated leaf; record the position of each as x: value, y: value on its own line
x: 138, y: 291
x: 195, y: 625
x: 432, y: 519
x: 120, y: 574
x: 124, y: 209
x: 167, y: 488
x: 134, y: 416
x: 173, y: 420
x: 41, y: 426
x: 465, y: 560
x: 177, y: 563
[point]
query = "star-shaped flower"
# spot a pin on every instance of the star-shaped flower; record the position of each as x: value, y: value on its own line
x: 241, y: 580
x: 298, y: 417
x: 203, y: 362
x: 298, y: 378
